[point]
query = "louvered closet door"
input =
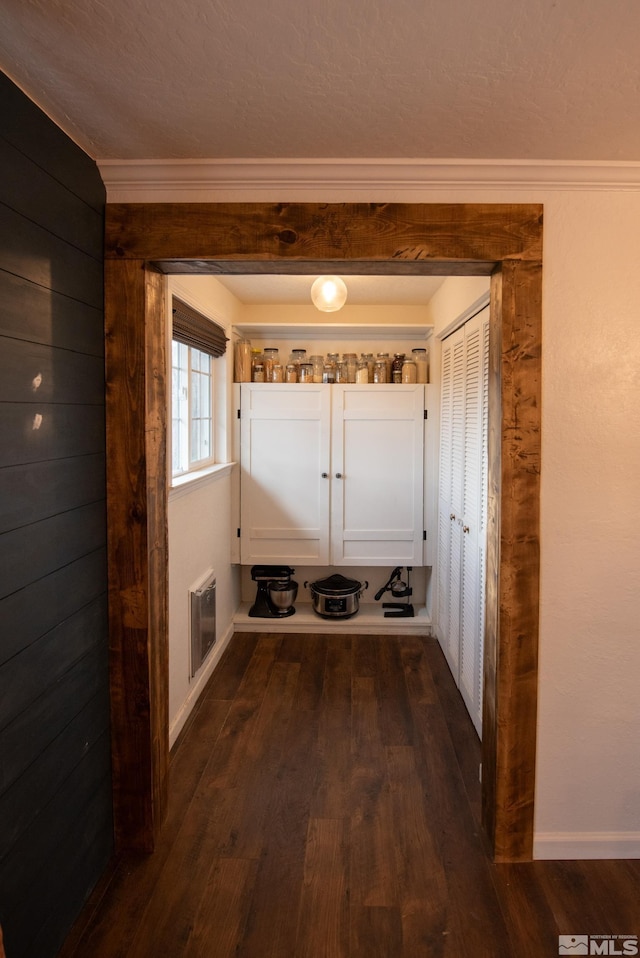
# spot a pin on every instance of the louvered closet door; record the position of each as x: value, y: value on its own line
x: 450, y: 496
x: 473, y: 515
x: 462, y: 506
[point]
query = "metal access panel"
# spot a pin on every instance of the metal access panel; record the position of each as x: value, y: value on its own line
x: 203, y: 622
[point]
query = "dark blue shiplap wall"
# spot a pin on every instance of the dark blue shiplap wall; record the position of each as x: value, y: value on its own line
x: 55, y: 788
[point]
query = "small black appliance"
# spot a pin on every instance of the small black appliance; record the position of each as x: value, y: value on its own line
x: 276, y: 591
x: 398, y: 589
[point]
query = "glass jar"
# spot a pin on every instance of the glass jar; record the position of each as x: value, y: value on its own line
x: 243, y: 361
x: 277, y: 373
x: 370, y: 364
x: 387, y: 361
x: 421, y: 358
x: 329, y: 372
x: 409, y: 371
x: 380, y: 371
x: 362, y: 372
x: 256, y: 357
x: 341, y: 372
x: 298, y: 356
x: 396, y: 367
x: 270, y: 355
x: 305, y: 373
x: 291, y: 373
x: 318, y: 367
x: 351, y: 359
x: 258, y: 373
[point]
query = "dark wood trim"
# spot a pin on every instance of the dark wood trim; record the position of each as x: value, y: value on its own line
x: 137, y: 548
x: 513, y: 560
x: 450, y: 238
x: 436, y: 239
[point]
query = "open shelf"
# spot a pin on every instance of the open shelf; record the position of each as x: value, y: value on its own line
x: 369, y: 620
x: 417, y: 331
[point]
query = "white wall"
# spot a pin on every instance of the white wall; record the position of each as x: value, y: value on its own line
x: 588, y: 770
x: 200, y: 518
x: 588, y: 777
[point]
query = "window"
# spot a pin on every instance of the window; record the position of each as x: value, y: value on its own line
x: 191, y: 408
x: 196, y: 343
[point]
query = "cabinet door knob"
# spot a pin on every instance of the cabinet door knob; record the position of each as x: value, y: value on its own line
x: 325, y: 475
x: 339, y: 475
x: 465, y: 528
x: 452, y: 516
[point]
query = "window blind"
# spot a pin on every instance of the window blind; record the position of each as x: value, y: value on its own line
x: 193, y: 329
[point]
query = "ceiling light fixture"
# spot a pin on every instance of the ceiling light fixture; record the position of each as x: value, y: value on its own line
x: 328, y: 293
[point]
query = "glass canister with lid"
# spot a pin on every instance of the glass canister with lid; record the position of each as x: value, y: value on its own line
x: 317, y: 363
x: 341, y: 372
x: 370, y: 364
x: 380, y: 371
x: 291, y: 372
x: 396, y: 367
x: 421, y: 358
x: 243, y: 361
x: 270, y: 355
x: 305, y: 373
x: 329, y: 371
x: 409, y: 371
x: 384, y: 357
x: 351, y: 359
x: 362, y: 372
x: 298, y: 356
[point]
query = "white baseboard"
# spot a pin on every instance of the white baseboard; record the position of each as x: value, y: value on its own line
x: 199, y: 682
x: 586, y: 845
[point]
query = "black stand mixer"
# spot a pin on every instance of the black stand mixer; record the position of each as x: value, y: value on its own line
x: 276, y: 591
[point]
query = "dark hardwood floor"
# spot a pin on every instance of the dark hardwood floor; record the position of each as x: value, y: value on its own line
x: 325, y: 804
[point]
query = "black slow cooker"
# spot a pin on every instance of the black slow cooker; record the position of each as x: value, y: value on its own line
x: 336, y: 597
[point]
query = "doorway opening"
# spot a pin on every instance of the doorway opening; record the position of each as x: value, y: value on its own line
x: 144, y: 241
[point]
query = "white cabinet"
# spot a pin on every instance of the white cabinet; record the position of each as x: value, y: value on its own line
x: 462, y: 510
x: 285, y: 433
x: 377, y: 448
x: 331, y: 474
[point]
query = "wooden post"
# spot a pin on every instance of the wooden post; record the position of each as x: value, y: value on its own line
x: 513, y: 555
x: 137, y: 548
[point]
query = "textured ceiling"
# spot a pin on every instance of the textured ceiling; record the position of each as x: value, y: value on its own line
x: 552, y: 79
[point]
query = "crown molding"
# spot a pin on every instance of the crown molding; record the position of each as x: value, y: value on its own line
x: 183, y: 181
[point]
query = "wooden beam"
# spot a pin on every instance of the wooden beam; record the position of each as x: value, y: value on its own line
x: 419, y: 234
x: 137, y: 548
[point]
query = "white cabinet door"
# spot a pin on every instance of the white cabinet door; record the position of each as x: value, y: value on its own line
x: 341, y: 488
x: 462, y: 506
x: 284, y: 496
x: 377, y: 487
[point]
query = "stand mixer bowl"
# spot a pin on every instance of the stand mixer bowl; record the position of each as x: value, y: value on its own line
x: 282, y: 594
